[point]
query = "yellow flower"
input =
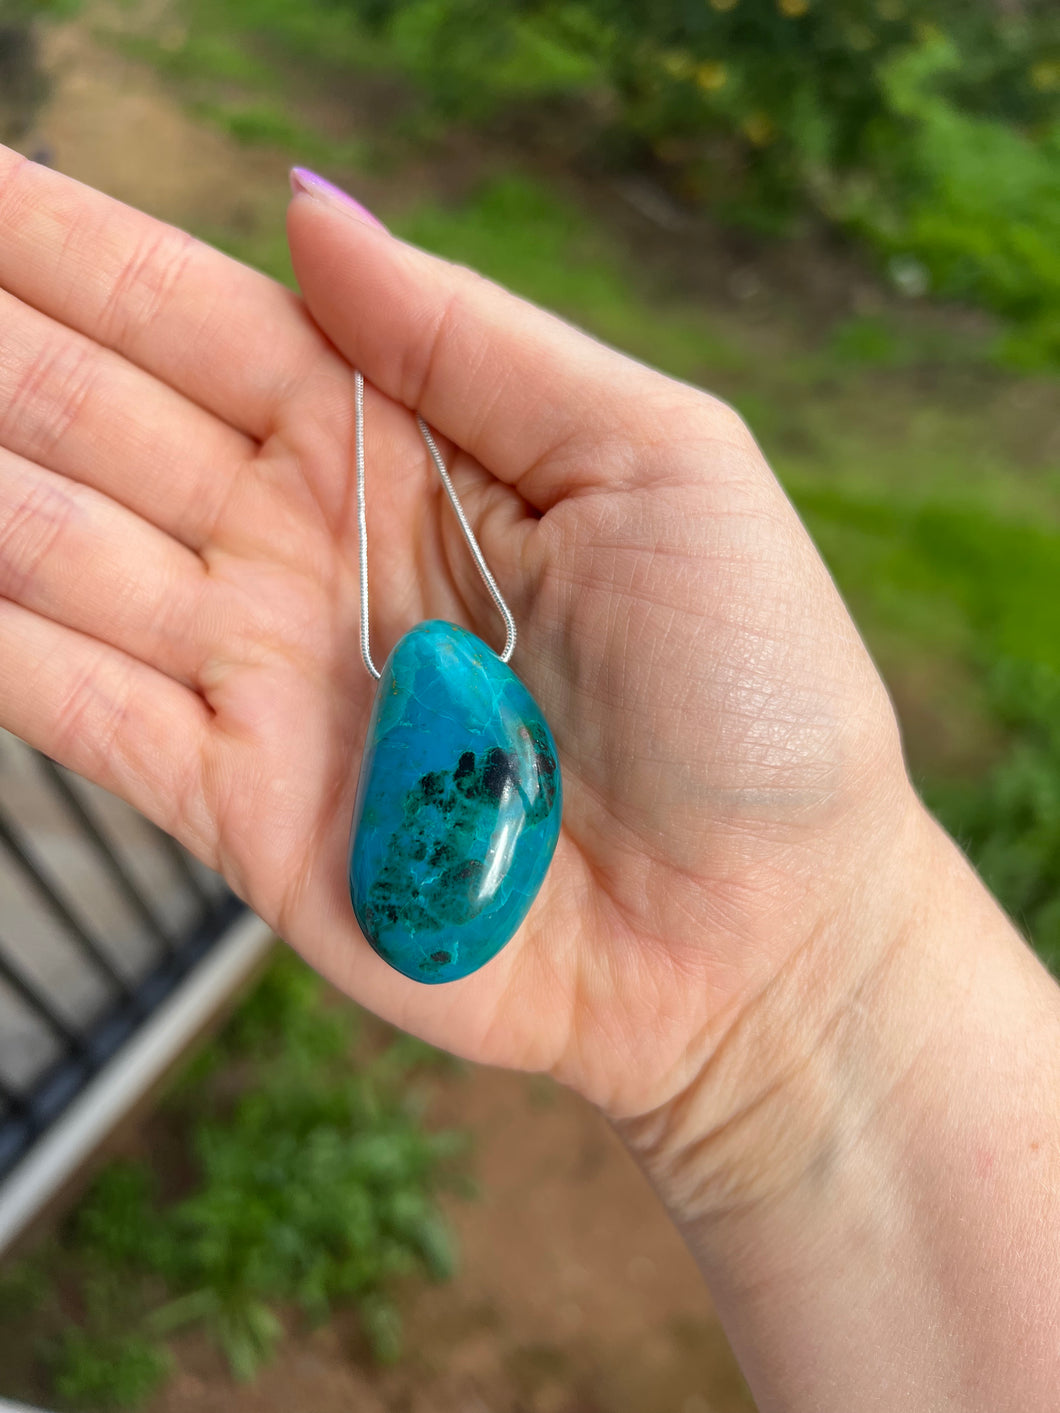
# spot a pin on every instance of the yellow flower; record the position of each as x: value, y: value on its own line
x: 1045, y: 76
x: 710, y: 77
x: 759, y: 129
x: 723, y: 5
x: 793, y: 8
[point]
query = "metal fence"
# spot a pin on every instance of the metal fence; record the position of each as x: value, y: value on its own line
x: 102, y: 917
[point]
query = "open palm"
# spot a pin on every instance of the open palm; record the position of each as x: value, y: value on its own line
x: 179, y: 616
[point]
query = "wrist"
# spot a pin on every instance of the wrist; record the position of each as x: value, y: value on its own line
x: 868, y: 1170
x: 785, y: 1080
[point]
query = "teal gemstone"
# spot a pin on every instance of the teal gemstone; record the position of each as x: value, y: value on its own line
x: 458, y: 806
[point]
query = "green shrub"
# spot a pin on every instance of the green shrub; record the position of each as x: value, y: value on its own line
x: 928, y: 126
x: 311, y: 1193
x: 314, y: 1187
x: 810, y: 73
x: 976, y: 201
x: 1009, y: 821
x: 108, y: 1371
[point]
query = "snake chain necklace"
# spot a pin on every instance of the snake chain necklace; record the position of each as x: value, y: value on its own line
x: 459, y: 797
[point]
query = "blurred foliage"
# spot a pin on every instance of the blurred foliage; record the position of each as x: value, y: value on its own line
x: 109, y: 1372
x: 312, y: 1187
x: 959, y: 582
x: 1009, y: 820
x: 23, y: 84
x: 24, y: 12
x: 930, y: 127
x: 805, y: 76
x: 976, y: 200
x: 41, y: 9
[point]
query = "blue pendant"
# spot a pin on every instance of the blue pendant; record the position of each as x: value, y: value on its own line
x: 458, y: 806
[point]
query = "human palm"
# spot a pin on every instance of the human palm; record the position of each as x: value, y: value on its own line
x: 179, y: 616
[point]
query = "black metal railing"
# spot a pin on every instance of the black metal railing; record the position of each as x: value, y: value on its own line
x: 101, y: 917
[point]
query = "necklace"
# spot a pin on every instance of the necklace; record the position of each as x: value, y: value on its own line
x: 459, y: 796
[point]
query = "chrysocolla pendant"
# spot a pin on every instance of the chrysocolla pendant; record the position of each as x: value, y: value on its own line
x: 458, y: 806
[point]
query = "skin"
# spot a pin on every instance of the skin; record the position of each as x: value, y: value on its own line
x: 753, y: 950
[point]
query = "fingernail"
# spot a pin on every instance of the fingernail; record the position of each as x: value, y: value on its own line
x: 303, y: 180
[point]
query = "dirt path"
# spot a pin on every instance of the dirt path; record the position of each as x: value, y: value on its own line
x: 575, y: 1293
x: 112, y: 123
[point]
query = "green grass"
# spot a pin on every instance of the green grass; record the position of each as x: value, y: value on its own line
x: 243, y: 95
x: 267, y: 124
x: 244, y: 41
x: 108, y: 1372
x: 248, y: 40
x: 996, y: 580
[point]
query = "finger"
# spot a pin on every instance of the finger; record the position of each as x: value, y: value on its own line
x: 80, y: 409
x: 76, y: 557
x: 540, y: 404
x: 229, y: 338
x: 108, y: 717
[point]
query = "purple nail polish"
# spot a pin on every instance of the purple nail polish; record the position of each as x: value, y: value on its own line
x: 303, y: 180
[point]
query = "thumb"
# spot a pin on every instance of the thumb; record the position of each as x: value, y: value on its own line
x: 540, y: 404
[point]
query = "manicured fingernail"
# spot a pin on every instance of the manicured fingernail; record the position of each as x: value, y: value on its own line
x: 303, y: 180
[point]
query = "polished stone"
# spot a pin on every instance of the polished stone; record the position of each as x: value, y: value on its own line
x: 458, y: 806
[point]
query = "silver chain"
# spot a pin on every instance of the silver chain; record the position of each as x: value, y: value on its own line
x: 469, y: 534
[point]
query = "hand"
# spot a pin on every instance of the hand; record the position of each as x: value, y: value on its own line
x: 753, y: 950
x: 179, y: 621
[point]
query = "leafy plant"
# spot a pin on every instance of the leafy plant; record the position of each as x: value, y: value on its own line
x: 23, y: 1289
x: 1009, y: 821
x: 117, y: 1223
x: 929, y: 127
x: 977, y: 202
x: 313, y: 1193
x: 102, y: 1372
x: 314, y: 1187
